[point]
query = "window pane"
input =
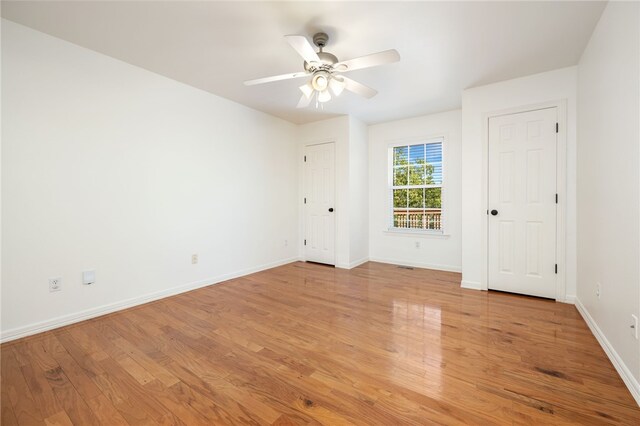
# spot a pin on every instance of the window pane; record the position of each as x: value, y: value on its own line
x: 434, y: 161
x: 400, y: 219
x: 400, y: 198
x: 416, y: 154
x: 419, y: 219
x: 433, y: 174
x: 400, y: 155
x: 432, y: 219
x: 433, y: 198
x: 416, y: 198
x: 434, y: 152
x: 399, y: 176
x: 416, y: 175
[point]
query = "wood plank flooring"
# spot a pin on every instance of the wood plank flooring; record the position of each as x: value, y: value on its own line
x: 309, y: 344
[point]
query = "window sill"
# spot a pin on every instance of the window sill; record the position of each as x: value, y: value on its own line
x: 416, y: 233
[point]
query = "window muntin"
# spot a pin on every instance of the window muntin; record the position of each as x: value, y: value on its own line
x: 416, y: 186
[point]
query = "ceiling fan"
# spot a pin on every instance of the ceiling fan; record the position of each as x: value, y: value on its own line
x: 324, y: 69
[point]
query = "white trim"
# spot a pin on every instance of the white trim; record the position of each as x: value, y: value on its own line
x: 399, y: 262
x: 353, y: 264
x: 627, y: 377
x: 569, y: 298
x: 359, y: 262
x: 561, y: 206
x: 61, y: 321
x: 408, y: 232
x: 471, y: 285
x: 561, y: 189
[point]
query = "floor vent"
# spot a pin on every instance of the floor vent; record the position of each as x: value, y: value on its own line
x: 406, y: 267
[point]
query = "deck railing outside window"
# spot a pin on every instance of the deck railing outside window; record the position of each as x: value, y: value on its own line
x: 418, y: 219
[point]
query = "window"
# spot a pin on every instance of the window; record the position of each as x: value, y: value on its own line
x: 416, y: 186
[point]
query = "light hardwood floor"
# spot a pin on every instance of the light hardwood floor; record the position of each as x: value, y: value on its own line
x: 309, y: 344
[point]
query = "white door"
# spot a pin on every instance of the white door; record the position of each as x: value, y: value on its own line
x: 319, y: 243
x: 522, y: 203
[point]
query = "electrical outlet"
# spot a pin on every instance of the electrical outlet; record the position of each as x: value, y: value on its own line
x: 417, y: 244
x: 286, y: 243
x: 55, y: 284
x: 598, y: 290
x: 194, y: 259
x: 634, y: 326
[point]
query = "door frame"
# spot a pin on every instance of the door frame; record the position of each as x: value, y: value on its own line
x: 335, y: 196
x: 561, y: 189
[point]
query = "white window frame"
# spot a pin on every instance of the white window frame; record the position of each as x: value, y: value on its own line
x: 390, y: 188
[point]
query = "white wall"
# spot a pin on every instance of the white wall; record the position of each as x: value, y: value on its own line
x: 359, y: 192
x: 109, y: 167
x: 609, y: 182
x: 476, y: 102
x: 437, y: 252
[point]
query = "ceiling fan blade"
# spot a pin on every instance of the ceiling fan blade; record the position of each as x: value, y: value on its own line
x: 359, y: 88
x: 303, y: 47
x: 304, y: 101
x: 275, y: 78
x: 373, y: 60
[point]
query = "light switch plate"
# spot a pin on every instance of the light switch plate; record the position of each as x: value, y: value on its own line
x: 88, y: 277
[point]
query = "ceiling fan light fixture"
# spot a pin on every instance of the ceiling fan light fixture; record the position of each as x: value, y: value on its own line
x: 320, y: 81
x: 324, y: 96
x: 336, y: 84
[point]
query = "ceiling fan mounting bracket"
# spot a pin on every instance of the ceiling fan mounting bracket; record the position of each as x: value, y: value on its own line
x: 320, y: 40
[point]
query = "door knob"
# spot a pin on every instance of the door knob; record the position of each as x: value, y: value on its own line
x: 494, y: 212
x: 331, y: 209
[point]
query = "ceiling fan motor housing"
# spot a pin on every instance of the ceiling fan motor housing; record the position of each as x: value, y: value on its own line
x: 327, y: 60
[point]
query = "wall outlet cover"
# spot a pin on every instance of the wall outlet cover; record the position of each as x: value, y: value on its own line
x: 55, y: 284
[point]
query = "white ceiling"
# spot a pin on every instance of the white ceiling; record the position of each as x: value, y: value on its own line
x: 215, y: 46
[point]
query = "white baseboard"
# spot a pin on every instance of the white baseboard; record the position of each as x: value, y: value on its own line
x: 353, y: 264
x: 61, y: 321
x: 570, y: 299
x: 618, y: 363
x: 446, y: 268
x: 470, y: 285
x: 358, y: 262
